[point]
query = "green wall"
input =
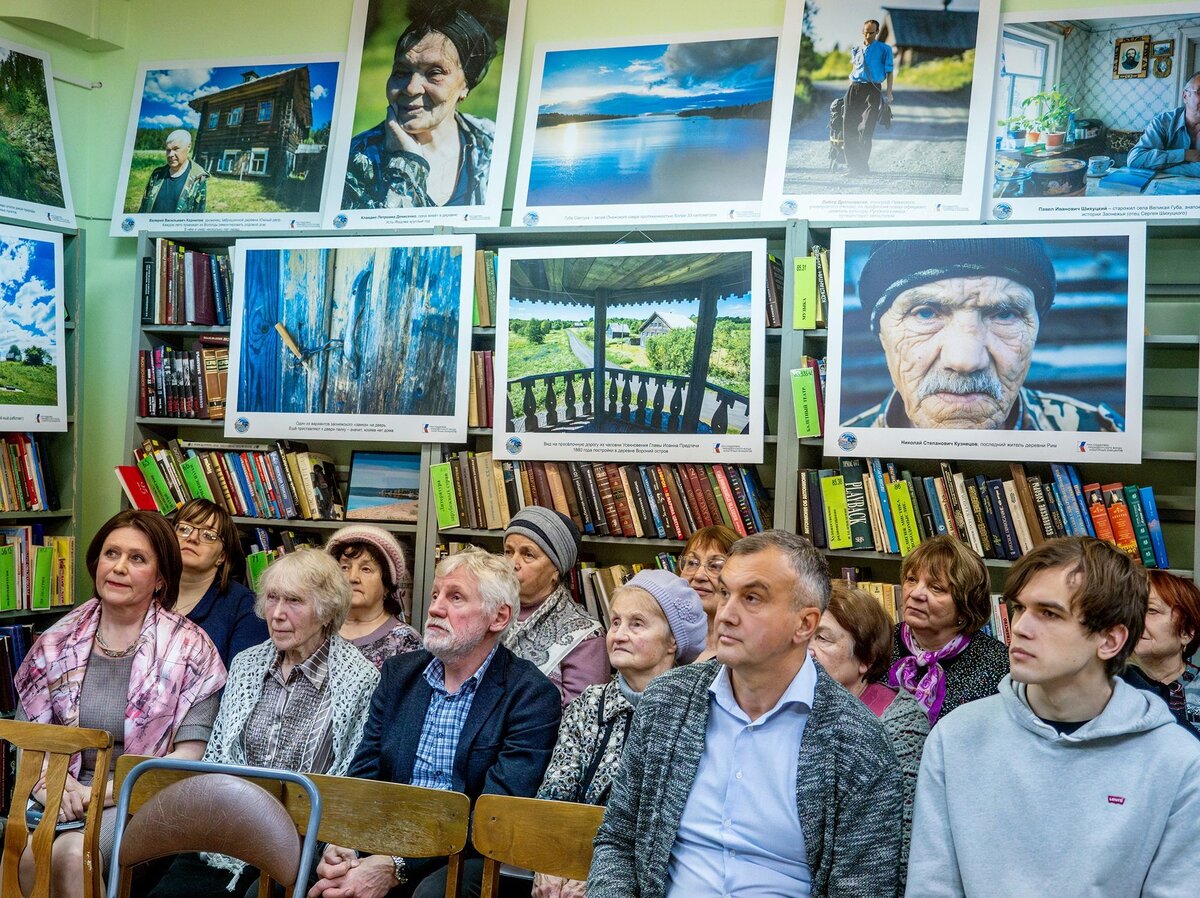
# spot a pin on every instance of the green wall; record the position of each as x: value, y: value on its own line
x: 94, y: 123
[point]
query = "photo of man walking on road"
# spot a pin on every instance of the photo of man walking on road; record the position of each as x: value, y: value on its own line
x: 871, y: 66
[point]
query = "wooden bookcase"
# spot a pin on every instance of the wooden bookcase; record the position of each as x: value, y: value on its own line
x: 64, y: 448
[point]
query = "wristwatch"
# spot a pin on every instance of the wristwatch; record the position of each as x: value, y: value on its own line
x: 399, y: 870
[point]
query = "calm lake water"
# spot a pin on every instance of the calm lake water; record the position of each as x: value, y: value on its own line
x: 649, y: 159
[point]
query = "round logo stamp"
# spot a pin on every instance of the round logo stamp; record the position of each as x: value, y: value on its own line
x: 789, y: 207
x: 1002, y: 211
x: 530, y: 219
x: 513, y: 445
x: 847, y: 442
x: 127, y: 225
x: 339, y: 221
x: 241, y: 425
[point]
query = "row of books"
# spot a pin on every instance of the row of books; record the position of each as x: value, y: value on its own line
x: 479, y: 406
x: 36, y: 571
x: 870, y: 504
x: 774, y: 291
x: 186, y: 286
x: 808, y: 396
x: 485, y: 288
x: 261, y: 480
x: 26, y: 479
x: 15, y: 640
x: 183, y: 383
x: 664, y: 501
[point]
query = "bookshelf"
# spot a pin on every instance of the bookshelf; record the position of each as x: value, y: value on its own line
x: 1170, y: 433
x: 63, y: 449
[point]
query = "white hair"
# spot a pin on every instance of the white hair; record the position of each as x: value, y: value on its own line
x: 498, y: 584
x: 180, y: 136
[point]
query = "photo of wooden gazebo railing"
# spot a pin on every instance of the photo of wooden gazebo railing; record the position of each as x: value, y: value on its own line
x: 602, y: 397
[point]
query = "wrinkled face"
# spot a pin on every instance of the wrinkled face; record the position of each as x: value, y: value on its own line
x: 177, y: 156
x: 363, y: 574
x: 292, y: 624
x: 959, y: 350
x: 457, y: 622
x: 833, y: 647
x: 1161, y: 639
x: 127, y: 570
x: 870, y: 31
x: 639, y: 638
x: 427, y: 84
x: 1050, y: 646
x: 200, y: 545
x: 928, y: 606
x: 534, y: 569
x: 1191, y: 100
x: 757, y: 623
x: 701, y: 567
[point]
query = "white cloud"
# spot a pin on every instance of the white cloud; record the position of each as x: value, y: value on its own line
x: 161, y: 121
x: 171, y: 85
x: 318, y: 91
x: 26, y: 310
x: 14, y: 262
x: 639, y: 66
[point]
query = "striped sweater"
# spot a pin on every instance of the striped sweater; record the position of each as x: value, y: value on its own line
x: 848, y: 792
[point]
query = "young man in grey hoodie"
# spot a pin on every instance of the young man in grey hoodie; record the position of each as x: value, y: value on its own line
x: 1069, y: 781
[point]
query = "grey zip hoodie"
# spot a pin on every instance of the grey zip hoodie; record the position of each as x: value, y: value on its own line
x: 1008, y: 808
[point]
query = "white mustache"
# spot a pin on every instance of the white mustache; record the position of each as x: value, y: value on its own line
x: 949, y: 382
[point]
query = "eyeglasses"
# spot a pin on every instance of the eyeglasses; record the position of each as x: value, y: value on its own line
x: 186, y: 530
x: 691, y: 564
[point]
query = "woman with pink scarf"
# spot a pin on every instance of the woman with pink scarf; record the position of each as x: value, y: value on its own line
x: 939, y: 653
x: 122, y: 662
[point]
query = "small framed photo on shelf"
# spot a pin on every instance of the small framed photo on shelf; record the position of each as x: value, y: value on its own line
x: 1164, y: 48
x: 384, y: 486
x: 1131, y: 57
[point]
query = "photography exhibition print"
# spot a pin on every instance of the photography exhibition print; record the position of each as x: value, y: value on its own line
x: 384, y: 486
x: 631, y: 352
x: 674, y: 128
x: 1079, y: 128
x: 229, y: 145
x: 355, y: 338
x: 33, y: 378
x: 33, y: 167
x: 425, y: 137
x: 1023, y: 342
x: 887, y: 112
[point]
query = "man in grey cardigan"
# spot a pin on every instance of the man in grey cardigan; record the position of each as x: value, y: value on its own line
x: 754, y: 773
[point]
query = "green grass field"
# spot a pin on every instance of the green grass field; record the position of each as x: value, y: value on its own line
x: 27, y: 385
x: 224, y: 194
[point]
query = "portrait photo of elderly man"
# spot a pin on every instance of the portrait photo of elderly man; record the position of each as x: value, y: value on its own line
x: 961, y: 322
x: 179, y: 186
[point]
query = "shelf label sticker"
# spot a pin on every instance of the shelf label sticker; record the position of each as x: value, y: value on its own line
x: 804, y: 293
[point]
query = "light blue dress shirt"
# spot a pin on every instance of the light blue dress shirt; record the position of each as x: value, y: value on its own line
x: 870, y: 63
x: 1163, y: 145
x: 740, y: 833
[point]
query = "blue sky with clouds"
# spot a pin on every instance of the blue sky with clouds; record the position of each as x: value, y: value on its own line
x: 167, y: 91
x: 664, y: 78
x: 839, y: 22
x: 28, y: 304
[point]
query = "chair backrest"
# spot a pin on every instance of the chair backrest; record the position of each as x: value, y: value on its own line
x: 47, y: 749
x: 374, y: 817
x: 197, y: 806
x: 551, y: 837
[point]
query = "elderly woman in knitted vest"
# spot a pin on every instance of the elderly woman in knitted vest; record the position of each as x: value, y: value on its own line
x: 296, y: 702
x: 552, y: 631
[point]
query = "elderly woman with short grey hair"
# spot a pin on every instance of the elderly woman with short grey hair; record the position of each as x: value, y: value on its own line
x: 552, y: 631
x: 296, y: 702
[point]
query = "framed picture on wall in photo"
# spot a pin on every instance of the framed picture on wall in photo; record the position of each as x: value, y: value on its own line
x: 384, y: 486
x: 1022, y: 342
x: 1121, y: 157
x: 351, y: 338
x: 1131, y: 56
x: 424, y: 136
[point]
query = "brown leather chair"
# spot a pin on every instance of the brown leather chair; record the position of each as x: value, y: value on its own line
x: 48, y: 748
x: 551, y: 837
x: 372, y: 817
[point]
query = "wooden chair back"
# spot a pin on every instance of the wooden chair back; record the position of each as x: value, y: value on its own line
x: 46, y: 751
x: 373, y: 817
x: 551, y: 837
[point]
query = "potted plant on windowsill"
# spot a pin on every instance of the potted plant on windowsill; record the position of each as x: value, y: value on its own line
x: 1014, y: 127
x: 1052, y: 110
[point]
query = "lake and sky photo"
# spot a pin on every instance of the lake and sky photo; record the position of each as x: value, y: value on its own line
x: 655, y: 123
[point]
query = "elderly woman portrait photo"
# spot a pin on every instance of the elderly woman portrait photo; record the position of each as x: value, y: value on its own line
x: 296, y: 702
x: 425, y: 120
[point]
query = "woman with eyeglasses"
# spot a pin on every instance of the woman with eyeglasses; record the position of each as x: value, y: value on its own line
x: 700, y: 565
x: 210, y: 591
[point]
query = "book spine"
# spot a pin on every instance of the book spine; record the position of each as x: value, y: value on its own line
x: 695, y: 500
x: 856, y: 505
x: 1098, y: 513
x: 989, y: 516
x: 671, y: 518
x: 1154, y: 525
x: 1065, y: 497
x: 595, y: 503
x: 889, y: 526
x: 1008, y: 533
x: 1118, y: 516
x: 586, y: 512
x: 607, y: 501
x: 977, y: 523
x: 816, y: 507
x: 675, y: 479
x: 1077, y: 489
x: 1141, y: 532
x: 739, y: 497
x: 837, y: 515
x: 629, y: 488
x: 958, y: 515
x: 648, y: 487
x: 1037, y: 530
x: 906, y: 519
x: 620, y: 499
x: 1017, y: 511
x: 929, y: 484
x: 921, y: 502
